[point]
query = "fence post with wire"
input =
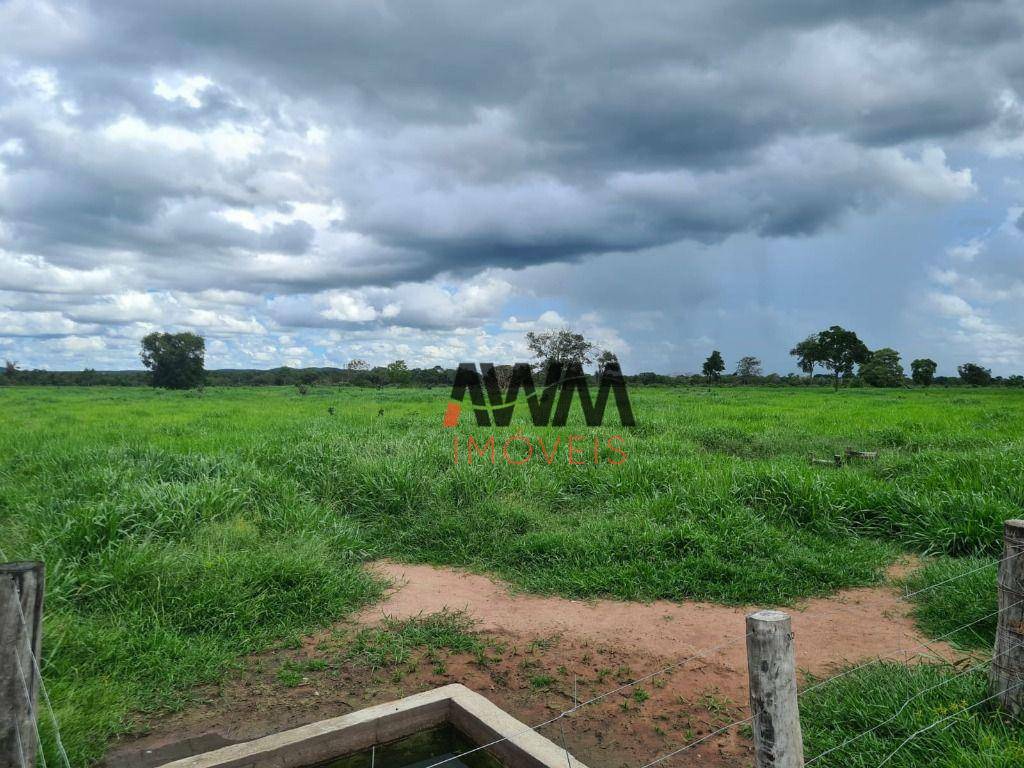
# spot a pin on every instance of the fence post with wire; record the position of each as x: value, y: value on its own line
x: 771, y: 667
x: 21, y: 612
x: 1006, y: 675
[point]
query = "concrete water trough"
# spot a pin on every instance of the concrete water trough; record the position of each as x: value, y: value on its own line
x: 341, y: 741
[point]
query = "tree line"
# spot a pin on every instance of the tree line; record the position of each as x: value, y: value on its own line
x: 177, y: 361
x: 839, y: 352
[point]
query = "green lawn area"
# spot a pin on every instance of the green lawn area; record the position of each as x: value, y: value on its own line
x: 181, y: 531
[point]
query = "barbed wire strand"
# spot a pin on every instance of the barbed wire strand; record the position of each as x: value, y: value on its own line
x: 693, y: 744
x: 664, y: 670
x: 924, y: 644
x: 752, y: 717
x: 907, y: 703
x: 980, y: 568
x: 918, y: 732
x: 21, y: 746
x: 568, y: 759
x: 920, y: 643
x: 42, y: 687
x: 595, y: 699
x: 31, y: 705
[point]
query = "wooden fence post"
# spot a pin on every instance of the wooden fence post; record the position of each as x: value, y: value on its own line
x: 20, y: 584
x: 771, y: 667
x: 1006, y: 675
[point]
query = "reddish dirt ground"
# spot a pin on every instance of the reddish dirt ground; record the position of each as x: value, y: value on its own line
x: 544, y: 647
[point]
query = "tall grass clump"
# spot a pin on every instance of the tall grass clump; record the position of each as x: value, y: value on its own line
x: 949, y: 593
x: 881, y: 706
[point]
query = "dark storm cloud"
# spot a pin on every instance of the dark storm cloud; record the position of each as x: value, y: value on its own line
x: 306, y: 146
x: 590, y: 91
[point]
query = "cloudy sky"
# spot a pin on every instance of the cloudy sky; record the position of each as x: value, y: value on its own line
x: 309, y: 182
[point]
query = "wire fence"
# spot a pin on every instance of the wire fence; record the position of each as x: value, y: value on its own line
x: 36, y: 670
x: 817, y: 686
x: 579, y: 705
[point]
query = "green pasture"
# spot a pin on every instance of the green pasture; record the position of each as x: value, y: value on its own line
x: 184, y: 530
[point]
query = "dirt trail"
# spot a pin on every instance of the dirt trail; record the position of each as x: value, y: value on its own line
x: 549, y: 649
x: 848, y: 627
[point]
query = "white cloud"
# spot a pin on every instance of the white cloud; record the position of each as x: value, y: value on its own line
x: 79, y: 344
x: 349, y: 308
x: 187, y: 88
x: 226, y: 142
x: 950, y: 305
x: 24, y: 272
x: 38, y: 324
x: 548, y: 320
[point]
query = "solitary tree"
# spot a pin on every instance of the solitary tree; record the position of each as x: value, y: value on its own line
x: 807, y: 355
x: 11, y: 368
x: 713, y: 367
x: 839, y: 350
x: 565, y: 347
x: 922, y: 371
x: 606, y: 358
x: 503, y: 373
x: 974, y: 374
x: 748, y: 368
x: 883, y: 368
x: 357, y: 365
x: 398, y: 372
x: 175, y: 359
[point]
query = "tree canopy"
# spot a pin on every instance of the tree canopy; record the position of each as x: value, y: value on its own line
x: 883, y: 368
x: 839, y: 350
x: 606, y: 358
x: 564, y: 346
x: 747, y: 368
x: 175, y: 360
x: 922, y: 371
x: 398, y: 372
x: 974, y: 374
x: 713, y: 366
x: 806, y: 354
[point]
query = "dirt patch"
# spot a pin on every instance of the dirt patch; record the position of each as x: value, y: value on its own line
x: 550, y: 652
x: 848, y: 627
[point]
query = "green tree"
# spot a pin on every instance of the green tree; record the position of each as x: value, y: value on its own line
x: 883, y: 368
x: 839, y: 350
x: 10, y: 371
x: 713, y: 367
x: 564, y: 346
x: 974, y: 374
x: 807, y: 354
x: 357, y: 365
x: 398, y: 372
x: 922, y: 371
x: 175, y: 359
x: 607, y: 357
x: 748, y: 368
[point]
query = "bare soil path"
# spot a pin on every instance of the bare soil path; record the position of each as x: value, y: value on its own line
x: 849, y: 626
x: 551, y: 646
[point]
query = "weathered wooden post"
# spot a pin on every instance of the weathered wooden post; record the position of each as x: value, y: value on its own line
x: 1006, y: 675
x: 771, y: 667
x: 21, y: 613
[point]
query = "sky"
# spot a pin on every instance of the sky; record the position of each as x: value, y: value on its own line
x: 308, y: 183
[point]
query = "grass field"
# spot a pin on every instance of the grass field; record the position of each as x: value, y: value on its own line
x: 182, y: 530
